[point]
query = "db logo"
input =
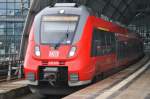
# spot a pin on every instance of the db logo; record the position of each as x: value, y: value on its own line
x: 54, y: 53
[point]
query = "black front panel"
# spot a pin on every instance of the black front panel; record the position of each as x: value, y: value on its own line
x: 59, y: 76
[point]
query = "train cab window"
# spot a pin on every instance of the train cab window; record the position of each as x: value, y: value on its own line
x: 58, y: 29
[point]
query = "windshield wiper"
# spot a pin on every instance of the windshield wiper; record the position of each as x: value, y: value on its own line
x: 65, y: 37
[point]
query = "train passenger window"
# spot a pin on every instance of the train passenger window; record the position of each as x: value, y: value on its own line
x: 113, y: 42
x: 107, y: 38
x: 103, y: 42
x: 98, y: 43
x: 110, y: 42
x: 121, y: 50
x: 94, y: 43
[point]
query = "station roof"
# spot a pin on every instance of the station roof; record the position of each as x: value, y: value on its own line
x: 123, y: 11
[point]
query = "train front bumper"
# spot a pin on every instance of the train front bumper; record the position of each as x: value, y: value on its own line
x: 61, y: 77
x: 70, y: 83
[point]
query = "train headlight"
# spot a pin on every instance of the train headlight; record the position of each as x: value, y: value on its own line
x: 74, y: 77
x: 72, y: 51
x: 37, y: 51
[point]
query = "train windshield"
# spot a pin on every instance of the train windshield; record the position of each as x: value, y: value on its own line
x: 58, y: 29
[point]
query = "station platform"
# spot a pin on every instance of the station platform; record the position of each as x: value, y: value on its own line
x: 13, y: 89
x: 138, y: 89
x: 130, y: 83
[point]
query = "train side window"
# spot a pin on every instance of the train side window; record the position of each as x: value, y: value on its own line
x: 113, y: 42
x: 107, y: 38
x: 93, y: 45
x: 110, y: 42
x: 98, y: 43
x: 103, y: 42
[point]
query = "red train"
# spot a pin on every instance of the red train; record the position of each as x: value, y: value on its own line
x: 69, y: 46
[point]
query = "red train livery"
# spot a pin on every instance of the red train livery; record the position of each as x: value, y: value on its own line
x: 69, y: 46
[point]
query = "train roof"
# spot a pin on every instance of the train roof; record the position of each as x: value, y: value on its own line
x: 81, y: 10
x: 84, y: 12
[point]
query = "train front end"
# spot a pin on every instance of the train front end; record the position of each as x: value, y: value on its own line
x: 55, y: 55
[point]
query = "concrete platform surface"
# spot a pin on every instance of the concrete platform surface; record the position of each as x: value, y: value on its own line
x: 97, y: 90
x: 140, y: 89
x: 13, y: 89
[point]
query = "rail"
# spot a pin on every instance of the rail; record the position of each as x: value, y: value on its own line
x: 12, y: 69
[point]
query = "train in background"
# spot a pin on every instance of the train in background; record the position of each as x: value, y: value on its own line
x: 69, y: 46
